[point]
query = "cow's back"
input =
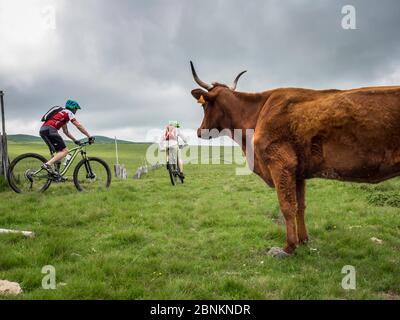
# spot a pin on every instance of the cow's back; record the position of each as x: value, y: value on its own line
x: 369, y: 114
x: 343, y: 134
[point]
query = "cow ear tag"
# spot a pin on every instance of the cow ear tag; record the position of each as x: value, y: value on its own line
x: 201, y: 100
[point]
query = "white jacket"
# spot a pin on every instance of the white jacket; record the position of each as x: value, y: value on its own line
x: 172, y: 142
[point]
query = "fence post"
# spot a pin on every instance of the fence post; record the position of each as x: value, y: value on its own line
x: 116, y: 149
x: 120, y: 170
x: 3, y: 140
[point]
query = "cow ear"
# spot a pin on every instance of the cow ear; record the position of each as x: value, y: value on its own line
x: 202, y: 96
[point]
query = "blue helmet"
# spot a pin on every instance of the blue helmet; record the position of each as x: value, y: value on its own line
x: 72, y: 105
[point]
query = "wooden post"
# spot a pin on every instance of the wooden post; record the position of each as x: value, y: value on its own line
x: 120, y: 170
x: 117, y: 168
x: 1, y: 135
x: 3, y: 140
x: 4, y: 163
x: 1, y: 155
x: 116, y: 150
x: 28, y: 234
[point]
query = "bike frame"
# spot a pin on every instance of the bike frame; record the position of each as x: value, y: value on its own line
x: 167, y: 151
x: 179, y: 146
x: 74, y: 153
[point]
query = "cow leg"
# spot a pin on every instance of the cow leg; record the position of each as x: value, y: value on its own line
x: 283, y: 172
x: 301, y: 226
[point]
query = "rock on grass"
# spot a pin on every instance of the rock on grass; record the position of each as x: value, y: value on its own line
x: 7, y: 287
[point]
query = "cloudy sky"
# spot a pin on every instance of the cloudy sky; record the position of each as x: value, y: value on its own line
x: 127, y: 62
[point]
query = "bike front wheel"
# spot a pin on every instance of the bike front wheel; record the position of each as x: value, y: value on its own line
x: 25, y: 174
x: 92, y: 174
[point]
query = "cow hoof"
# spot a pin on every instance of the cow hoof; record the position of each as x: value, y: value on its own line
x: 279, y: 253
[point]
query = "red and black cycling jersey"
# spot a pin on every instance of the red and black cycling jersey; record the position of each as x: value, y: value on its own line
x: 60, y: 118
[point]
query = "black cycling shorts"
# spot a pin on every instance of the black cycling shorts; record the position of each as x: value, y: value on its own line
x: 52, y: 138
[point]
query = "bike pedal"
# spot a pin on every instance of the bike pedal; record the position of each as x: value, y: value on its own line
x: 57, y: 178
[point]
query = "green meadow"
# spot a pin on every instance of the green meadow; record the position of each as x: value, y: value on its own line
x: 205, y: 239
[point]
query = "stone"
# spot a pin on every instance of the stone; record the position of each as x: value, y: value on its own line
x: 7, y: 287
x: 278, y: 253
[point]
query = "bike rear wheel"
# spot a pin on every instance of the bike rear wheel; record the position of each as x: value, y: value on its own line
x: 172, y: 170
x: 172, y: 165
x: 92, y: 174
x: 25, y: 174
x: 178, y: 170
x: 180, y: 175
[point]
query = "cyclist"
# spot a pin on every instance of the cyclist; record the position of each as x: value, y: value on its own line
x: 50, y: 135
x: 170, y: 136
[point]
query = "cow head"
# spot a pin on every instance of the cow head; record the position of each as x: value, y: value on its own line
x: 216, y: 100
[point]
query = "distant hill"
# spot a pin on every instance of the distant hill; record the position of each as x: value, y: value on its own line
x: 23, y: 138
x: 26, y: 138
x: 103, y: 139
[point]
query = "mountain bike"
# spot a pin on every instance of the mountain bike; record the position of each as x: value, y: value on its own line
x: 175, y: 173
x: 25, y: 173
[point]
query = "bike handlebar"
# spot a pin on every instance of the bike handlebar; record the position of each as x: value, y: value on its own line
x: 89, y: 141
x: 82, y: 144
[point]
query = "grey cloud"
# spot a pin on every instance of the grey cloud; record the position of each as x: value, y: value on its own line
x: 128, y: 61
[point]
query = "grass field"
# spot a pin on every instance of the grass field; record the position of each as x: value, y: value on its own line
x: 206, y: 239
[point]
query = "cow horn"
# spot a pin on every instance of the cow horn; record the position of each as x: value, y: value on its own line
x: 197, y: 79
x: 236, y: 80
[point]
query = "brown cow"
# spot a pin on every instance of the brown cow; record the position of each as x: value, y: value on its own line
x: 348, y: 135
